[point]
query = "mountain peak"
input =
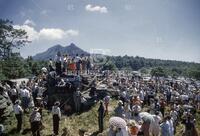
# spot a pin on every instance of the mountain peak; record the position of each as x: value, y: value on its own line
x: 72, y: 45
x: 71, y: 50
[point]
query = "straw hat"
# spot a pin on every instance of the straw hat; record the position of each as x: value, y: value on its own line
x: 36, y: 109
x: 57, y: 103
x: 38, y: 98
x: 17, y: 102
x: 132, y: 123
x: 120, y: 102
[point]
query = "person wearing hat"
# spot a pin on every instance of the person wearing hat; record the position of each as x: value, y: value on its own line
x: 56, y: 117
x: 35, y: 120
x: 101, y: 113
x: 18, y: 114
x: 119, y: 110
x: 13, y: 94
x: 133, y: 128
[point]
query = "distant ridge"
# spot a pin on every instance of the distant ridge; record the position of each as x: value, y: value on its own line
x: 71, y: 50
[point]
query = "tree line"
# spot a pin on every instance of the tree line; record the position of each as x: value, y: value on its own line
x: 155, y: 67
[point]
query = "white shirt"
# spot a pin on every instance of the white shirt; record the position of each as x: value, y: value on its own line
x: 171, y: 127
x: 25, y: 93
x: 56, y: 110
x: 141, y: 95
x: 17, y: 109
x: 77, y: 59
x: 35, y: 116
x: 123, y: 94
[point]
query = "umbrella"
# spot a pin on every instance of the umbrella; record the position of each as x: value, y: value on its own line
x: 146, y: 117
x: 117, y: 122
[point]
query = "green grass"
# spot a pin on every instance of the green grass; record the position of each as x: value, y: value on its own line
x: 87, y: 120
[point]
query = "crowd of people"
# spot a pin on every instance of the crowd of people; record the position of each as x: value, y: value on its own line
x: 70, y: 64
x: 147, y: 107
x: 31, y: 97
x: 152, y: 107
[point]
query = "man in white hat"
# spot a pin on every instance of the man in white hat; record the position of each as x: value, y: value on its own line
x: 18, y: 114
x: 119, y: 110
x: 35, y: 120
x: 56, y: 117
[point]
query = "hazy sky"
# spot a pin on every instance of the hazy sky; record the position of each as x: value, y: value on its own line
x: 165, y: 29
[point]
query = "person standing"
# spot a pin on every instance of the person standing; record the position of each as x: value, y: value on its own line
x: 171, y: 126
x: 78, y: 62
x: 88, y: 65
x: 25, y: 97
x: 35, y: 120
x: 56, y: 117
x: 13, y: 94
x: 77, y: 100
x: 162, y: 106
x: 119, y: 110
x: 106, y: 102
x: 165, y: 130
x: 18, y: 114
x: 101, y: 113
x: 65, y: 63
x: 155, y: 125
x: 174, y: 116
x: 58, y: 61
x: 50, y: 65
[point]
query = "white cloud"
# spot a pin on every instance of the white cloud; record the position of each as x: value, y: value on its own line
x: 100, y: 9
x: 31, y: 32
x: 56, y: 33
x: 46, y: 33
x: 29, y: 22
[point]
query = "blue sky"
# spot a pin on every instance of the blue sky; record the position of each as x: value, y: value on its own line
x: 164, y: 29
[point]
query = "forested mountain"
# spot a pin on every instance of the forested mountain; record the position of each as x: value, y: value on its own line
x: 71, y: 50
